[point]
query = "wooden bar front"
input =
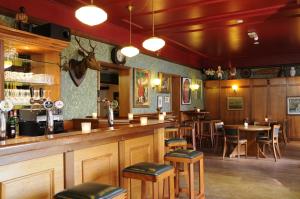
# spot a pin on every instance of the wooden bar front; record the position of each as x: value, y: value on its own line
x: 39, y: 167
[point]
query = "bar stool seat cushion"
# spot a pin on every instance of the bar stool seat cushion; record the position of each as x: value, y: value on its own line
x: 90, y: 191
x: 174, y: 141
x: 184, y: 153
x: 148, y: 168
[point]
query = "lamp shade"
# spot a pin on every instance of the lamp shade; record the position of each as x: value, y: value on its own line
x: 130, y: 51
x: 154, y: 43
x: 91, y: 15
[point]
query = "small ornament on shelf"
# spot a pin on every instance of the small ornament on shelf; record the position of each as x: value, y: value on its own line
x: 219, y: 73
x: 232, y: 73
x: 210, y: 73
x: 293, y: 71
x: 22, y: 20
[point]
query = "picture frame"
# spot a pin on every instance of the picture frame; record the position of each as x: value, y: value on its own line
x: 293, y: 105
x: 167, y: 99
x: 159, y: 101
x: 165, y: 85
x: 141, y: 98
x: 235, y: 103
x: 186, y: 92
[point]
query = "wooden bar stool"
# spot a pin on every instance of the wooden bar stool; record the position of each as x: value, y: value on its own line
x: 187, y: 130
x: 189, y: 157
x: 92, y: 190
x: 173, y: 139
x: 153, y: 172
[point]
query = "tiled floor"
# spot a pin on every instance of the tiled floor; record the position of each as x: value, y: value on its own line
x: 254, y: 178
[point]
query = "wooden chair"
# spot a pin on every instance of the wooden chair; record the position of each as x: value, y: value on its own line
x: 232, y: 137
x: 274, y: 141
x: 174, y: 139
x: 92, y: 190
x: 264, y: 134
x: 284, y: 130
x: 187, y: 131
x: 206, y: 132
x: 218, y: 133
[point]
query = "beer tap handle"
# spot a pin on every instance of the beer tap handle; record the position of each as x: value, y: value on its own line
x: 41, y: 93
x: 31, y: 92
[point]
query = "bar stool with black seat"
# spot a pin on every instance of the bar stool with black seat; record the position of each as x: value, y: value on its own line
x: 93, y: 191
x: 187, y: 131
x: 189, y: 157
x: 150, y: 172
x: 173, y: 139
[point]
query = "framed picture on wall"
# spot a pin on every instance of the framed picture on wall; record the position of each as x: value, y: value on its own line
x: 186, y: 90
x: 235, y: 103
x: 159, y: 101
x: 141, y: 88
x: 293, y: 105
x: 165, y: 85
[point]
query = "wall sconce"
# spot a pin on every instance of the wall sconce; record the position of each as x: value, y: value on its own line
x: 155, y: 82
x: 194, y: 87
x: 234, y: 88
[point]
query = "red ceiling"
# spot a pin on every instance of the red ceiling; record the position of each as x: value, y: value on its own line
x: 197, y: 32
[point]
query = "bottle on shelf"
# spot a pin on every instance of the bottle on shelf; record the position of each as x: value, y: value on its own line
x: 11, y: 130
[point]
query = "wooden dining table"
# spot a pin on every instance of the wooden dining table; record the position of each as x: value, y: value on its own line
x: 250, y: 134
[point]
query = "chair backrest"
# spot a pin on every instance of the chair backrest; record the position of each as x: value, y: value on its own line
x: 275, y: 132
x: 219, y: 127
x: 231, y: 132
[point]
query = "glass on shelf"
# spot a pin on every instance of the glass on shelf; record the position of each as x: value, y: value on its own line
x: 28, y: 78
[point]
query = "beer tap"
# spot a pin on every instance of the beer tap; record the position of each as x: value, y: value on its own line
x: 5, y: 106
x: 50, y: 106
x: 110, y: 112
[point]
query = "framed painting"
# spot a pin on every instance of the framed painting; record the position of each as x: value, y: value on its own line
x: 141, y: 88
x: 186, y: 91
x: 167, y: 99
x: 235, y: 103
x: 165, y: 85
x: 159, y: 101
x: 293, y: 105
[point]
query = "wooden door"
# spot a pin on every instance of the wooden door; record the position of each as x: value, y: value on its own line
x: 97, y: 164
x: 131, y: 152
x: 33, y: 179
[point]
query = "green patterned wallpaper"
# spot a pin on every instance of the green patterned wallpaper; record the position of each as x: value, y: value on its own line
x: 81, y: 101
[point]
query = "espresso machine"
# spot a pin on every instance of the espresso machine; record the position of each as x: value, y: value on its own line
x: 44, y: 120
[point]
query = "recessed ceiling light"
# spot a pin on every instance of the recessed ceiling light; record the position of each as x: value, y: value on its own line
x: 239, y: 21
x: 256, y: 42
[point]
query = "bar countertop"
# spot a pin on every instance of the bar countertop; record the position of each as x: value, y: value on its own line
x: 74, y: 139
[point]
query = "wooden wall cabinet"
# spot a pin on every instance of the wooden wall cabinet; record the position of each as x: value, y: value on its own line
x: 262, y: 97
x: 33, y: 179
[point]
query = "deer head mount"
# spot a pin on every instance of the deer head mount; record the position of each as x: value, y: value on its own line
x: 78, y: 68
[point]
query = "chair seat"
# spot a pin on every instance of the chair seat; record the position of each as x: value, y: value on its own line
x: 184, y: 153
x: 241, y: 141
x: 90, y: 191
x: 266, y: 140
x: 174, y: 141
x: 148, y: 168
x: 262, y: 137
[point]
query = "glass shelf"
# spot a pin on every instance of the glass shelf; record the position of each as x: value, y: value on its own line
x: 23, y: 83
x: 19, y: 60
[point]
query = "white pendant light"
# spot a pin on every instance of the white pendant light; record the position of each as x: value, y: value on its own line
x: 130, y: 51
x: 153, y: 43
x: 91, y: 15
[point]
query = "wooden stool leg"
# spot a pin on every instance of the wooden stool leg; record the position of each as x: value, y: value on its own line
x: 278, y: 150
x: 191, y: 182
x: 225, y: 148
x: 155, y: 190
x: 176, y: 178
x: 201, y: 178
x: 186, y: 174
x: 125, y: 185
x: 171, y: 187
x: 274, y: 151
x: 144, y: 190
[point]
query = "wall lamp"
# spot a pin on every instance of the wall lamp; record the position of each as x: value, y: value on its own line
x: 155, y: 82
x: 234, y: 88
x: 194, y: 87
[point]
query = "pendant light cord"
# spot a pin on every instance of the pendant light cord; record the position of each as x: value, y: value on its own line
x: 92, y: 2
x: 130, y: 8
x: 152, y: 18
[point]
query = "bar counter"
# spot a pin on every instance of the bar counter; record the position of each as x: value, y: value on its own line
x: 63, y: 160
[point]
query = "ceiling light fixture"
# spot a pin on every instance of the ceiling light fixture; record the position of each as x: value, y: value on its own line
x: 153, y: 43
x: 130, y: 51
x: 239, y: 21
x: 91, y: 15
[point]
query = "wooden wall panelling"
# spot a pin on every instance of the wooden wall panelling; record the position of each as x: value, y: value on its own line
x: 259, y: 97
x: 33, y: 179
x: 131, y: 152
x: 277, y: 99
x: 97, y: 164
x: 1, y: 69
x: 211, y: 98
x: 175, y: 95
x: 293, y: 85
x: 125, y: 77
x: 235, y: 116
